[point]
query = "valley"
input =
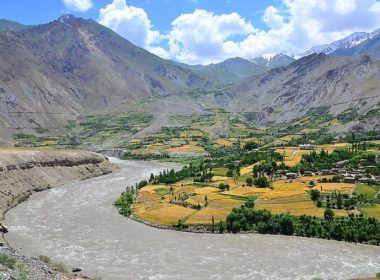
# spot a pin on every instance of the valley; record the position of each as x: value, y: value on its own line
x: 279, y: 144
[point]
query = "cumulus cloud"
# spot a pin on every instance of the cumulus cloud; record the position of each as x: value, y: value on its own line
x: 203, y: 37
x: 273, y: 18
x: 133, y: 24
x: 78, y: 5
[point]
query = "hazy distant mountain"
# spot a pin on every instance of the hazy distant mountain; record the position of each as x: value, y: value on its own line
x: 230, y: 70
x: 71, y: 66
x: 358, y: 43
x: 7, y: 25
x: 273, y: 60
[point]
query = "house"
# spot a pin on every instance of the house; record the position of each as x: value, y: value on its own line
x: 349, y: 180
x: 308, y: 173
x: 308, y: 147
x: 291, y: 175
x: 326, y: 172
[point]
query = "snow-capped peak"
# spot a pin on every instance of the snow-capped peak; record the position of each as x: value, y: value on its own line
x: 345, y: 43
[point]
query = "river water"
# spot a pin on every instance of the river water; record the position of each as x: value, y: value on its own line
x: 77, y: 224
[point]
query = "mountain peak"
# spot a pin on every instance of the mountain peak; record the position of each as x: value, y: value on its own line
x: 273, y: 60
x: 67, y: 18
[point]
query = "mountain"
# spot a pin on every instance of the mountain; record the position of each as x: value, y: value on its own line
x: 358, y: 43
x: 54, y: 72
x: 7, y: 25
x: 228, y: 71
x: 318, y: 80
x: 332, y: 85
x: 369, y: 45
x: 236, y: 69
x: 273, y: 60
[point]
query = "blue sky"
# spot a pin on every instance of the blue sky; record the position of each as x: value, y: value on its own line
x: 206, y: 31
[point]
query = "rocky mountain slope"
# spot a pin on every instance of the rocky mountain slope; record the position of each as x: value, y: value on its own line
x: 62, y: 71
x: 286, y: 93
x: 7, y: 25
x: 54, y: 72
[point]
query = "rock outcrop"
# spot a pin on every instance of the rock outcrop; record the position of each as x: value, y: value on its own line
x: 23, y: 171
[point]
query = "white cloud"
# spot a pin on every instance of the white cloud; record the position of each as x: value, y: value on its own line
x: 272, y: 17
x: 375, y: 7
x: 78, y: 5
x: 133, y: 24
x: 344, y: 7
x: 203, y: 37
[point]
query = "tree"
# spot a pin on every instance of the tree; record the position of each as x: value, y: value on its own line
x: 249, y: 146
x: 339, y: 202
x: 315, y: 194
x: 319, y: 203
x: 261, y: 182
x: 224, y: 187
x: 151, y: 179
x: 230, y: 173
x: 206, y: 202
x: 250, y: 203
x: 329, y: 214
x: 249, y: 181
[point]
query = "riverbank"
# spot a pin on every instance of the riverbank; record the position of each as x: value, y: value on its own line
x: 103, y: 243
x: 24, y: 171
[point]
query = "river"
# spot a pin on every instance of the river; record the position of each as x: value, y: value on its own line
x: 77, y: 224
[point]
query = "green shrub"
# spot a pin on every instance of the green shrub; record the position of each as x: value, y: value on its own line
x: 7, y: 260
x: 44, y: 259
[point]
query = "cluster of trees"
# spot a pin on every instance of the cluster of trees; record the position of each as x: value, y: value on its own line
x: 125, y: 201
x: 334, y: 200
x: 191, y: 171
x: 325, y: 160
x: 350, y: 229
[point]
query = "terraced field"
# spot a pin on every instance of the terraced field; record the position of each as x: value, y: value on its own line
x: 186, y: 201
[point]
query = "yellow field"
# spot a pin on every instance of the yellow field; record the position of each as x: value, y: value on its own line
x: 158, y: 205
x: 204, y: 216
x: 190, y: 148
x: 298, y: 208
x: 223, y: 143
x: 339, y: 187
x: 247, y: 191
x: 372, y: 212
x: 293, y: 208
x: 295, y: 185
x: 206, y: 190
x: 163, y: 213
x: 247, y: 170
x: 281, y: 194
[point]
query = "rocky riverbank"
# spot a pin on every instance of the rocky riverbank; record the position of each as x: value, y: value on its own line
x: 24, y: 171
x: 18, y: 266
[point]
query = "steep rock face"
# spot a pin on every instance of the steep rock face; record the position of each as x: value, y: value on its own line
x: 25, y: 171
x: 54, y: 72
x: 286, y: 93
